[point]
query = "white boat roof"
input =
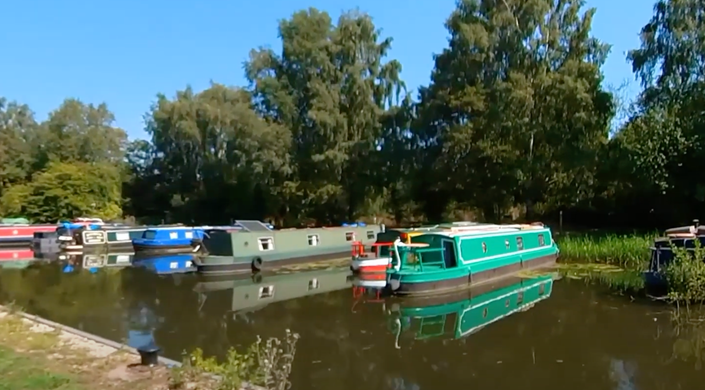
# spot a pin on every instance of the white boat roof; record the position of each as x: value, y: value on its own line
x: 480, y: 229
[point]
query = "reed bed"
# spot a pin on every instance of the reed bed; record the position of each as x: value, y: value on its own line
x: 629, y: 252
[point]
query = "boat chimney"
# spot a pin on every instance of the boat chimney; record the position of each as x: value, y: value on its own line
x: 382, y: 228
x: 696, y: 223
x: 149, y: 354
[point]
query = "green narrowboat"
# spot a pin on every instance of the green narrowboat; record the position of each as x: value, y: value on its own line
x: 441, y: 260
x: 256, y: 246
x: 255, y: 292
x: 86, y: 237
x: 463, y: 313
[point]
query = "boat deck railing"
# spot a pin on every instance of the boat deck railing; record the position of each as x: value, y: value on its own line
x: 419, y: 263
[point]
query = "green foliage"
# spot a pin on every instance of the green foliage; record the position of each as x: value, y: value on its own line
x: 685, y: 274
x: 624, y: 251
x: 263, y: 363
x: 514, y: 124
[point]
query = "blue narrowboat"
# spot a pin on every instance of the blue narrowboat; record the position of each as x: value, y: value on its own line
x: 169, y: 240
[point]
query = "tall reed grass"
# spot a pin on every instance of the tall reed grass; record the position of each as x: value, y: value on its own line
x: 625, y: 251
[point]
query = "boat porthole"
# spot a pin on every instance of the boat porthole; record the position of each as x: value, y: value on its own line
x: 506, y: 243
x: 506, y: 303
x: 542, y: 289
x: 484, y: 247
x: 484, y: 313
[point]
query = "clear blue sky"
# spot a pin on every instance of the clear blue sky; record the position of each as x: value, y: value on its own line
x: 125, y: 52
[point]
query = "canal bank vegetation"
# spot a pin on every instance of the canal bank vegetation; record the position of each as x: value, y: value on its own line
x: 327, y: 130
x: 265, y: 364
x: 619, y: 262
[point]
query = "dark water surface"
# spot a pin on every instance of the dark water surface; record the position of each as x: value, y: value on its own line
x: 578, y: 338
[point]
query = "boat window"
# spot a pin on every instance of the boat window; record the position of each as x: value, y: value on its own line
x: 484, y: 313
x: 349, y: 236
x: 484, y: 248
x: 266, y: 292
x: 542, y: 288
x: 520, y: 298
x: 313, y: 284
x: 520, y: 243
x: 266, y: 243
x: 370, y: 234
x: 313, y: 239
x: 542, y: 241
x: 506, y: 243
x: 149, y: 234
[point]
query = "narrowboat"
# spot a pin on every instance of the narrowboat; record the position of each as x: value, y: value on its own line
x: 662, y: 251
x: 84, y: 236
x: 455, y: 257
x: 254, y: 293
x: 378, y: 259
x: 21, y: 234
x: 166, y: 264
x: 257, y: 247
x: 463, y: 313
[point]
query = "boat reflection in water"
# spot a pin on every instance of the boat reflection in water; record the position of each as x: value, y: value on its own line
x: 166, y: 263
x: 16, y: 257
x: 253, y: 292
x: 91, y: 261
x: 462, y: 313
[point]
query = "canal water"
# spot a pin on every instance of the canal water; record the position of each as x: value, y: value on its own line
x: 526, y: 332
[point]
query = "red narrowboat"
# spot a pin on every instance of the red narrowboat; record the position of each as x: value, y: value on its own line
x: 21, y: 234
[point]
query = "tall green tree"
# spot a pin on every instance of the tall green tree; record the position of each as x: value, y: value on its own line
x: 515, y: 112
x: 331, y: 87
x: 215, y: 156
x: 16, y: 127
x: 662, y: 143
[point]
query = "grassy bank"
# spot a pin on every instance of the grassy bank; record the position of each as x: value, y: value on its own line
x: 628, y: 251
x: 37, y: 356
x: 619, y: 260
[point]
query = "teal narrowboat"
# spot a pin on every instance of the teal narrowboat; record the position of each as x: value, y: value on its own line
x: 256, y: 246
x: 463, y: 313
x: 455, y: 257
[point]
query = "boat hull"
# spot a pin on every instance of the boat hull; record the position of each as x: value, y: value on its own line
x: 212, y: 265
x: 21, y: 235
x: 147, y: 249
x: 365, y: 265
x: 461, y: 277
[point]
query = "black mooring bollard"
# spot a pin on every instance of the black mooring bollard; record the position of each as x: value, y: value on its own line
x: 149, y: 354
